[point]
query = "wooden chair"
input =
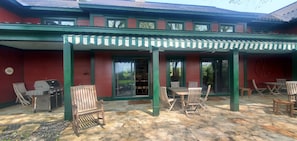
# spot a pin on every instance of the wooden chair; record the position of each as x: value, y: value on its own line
x: 174, y: 84
x: 193, y: 101
x: 87, y: 111
x: 203, y: 100
x: 192, y: 84
x: 292, y: 91
x: 257, y: 89
x: 282, y: 81
x: 20, y: 91
x: 165, y: 99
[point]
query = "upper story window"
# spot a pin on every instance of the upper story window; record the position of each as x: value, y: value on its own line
x: 53, y: 21
x: 226, y: 28
x: 201, y: 27
x: 116, y: 23
x: 147, y: 25
x: 175, y: 26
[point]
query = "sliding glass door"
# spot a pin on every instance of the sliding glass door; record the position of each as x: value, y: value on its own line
x: 215, y: 72
x: 131, y: 77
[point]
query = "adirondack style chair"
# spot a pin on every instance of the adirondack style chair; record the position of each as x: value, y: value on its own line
x: 87, y: 111
x: 194, y: 100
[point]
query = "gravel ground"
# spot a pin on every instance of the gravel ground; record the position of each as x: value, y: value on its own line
x: 48, y: 131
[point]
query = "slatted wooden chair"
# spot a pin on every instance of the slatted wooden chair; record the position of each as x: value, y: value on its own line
x: 193, y: 101
x: 257, y: 89
x: 165, y: 100
x: 193, y: 84
x: 204, y: 99
x: 87, y: 111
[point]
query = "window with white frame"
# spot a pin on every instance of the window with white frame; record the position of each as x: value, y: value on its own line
x: 175, y: 26
x: 116, y: 23
x: 201, y: 27
x: 147, y: 25
x: 59, y: 21
x: 226, y: 28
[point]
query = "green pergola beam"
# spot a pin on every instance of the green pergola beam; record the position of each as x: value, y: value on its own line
x: 234, y: 75
x: 68, y: 79
x: 156, y: 82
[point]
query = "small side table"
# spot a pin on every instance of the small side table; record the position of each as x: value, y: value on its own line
x: 248, y: 90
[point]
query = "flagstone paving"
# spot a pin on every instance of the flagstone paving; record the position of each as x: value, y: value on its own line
x: 133, y: 121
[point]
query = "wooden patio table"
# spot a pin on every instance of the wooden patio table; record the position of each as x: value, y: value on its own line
x: 181, y: 91
x: 273, y: 87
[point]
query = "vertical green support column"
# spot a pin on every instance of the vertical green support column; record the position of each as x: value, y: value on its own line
x: 156, y: 82
x: 294, y: 65
x: 92, y: 67
x: 234, y: 69
x: 68, y: 79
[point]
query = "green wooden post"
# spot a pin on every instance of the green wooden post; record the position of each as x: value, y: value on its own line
x: 156, y: 82
x: 68, y: 79
x: 294, y: 65
x: 234, y: 69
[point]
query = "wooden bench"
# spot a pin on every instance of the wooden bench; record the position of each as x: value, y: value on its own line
x: 278, y: 102
x: 87, y: 111
x: 248, y: 90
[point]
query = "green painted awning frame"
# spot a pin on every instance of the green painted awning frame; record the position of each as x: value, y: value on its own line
x: 179, y: 43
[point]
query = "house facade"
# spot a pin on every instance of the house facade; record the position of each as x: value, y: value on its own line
x: 128, y: 48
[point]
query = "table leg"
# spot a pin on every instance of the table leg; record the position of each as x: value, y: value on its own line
x: 182, y: 99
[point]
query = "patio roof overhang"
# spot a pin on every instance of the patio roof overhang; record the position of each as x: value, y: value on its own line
x: 83, y: 42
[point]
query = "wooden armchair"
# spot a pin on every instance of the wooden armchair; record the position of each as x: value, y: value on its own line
x: 87, y: 111
x: 194, y: 100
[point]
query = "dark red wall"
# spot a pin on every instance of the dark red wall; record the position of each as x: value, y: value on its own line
x: 103, y: 74
x: 188, y: 25
x: 6, y: 16
x: 265, y: 68
x: 193, y: 69
x: 82, y: 68
x: 99, y: 21
x: 162, y: 69
x: 131, y: 23
x: 161, y: 24
x: 42, y: 65
x: 10, y: 57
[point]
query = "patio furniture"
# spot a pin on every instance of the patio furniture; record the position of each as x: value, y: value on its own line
x: 174, y: 84
x: 192, y: 84
x: 203, y: 100
x: 180, y: 91
x: 20, y: 91
x: 278, y: 102
x: 193, y: 101
x: 248, y: 90
x: 282, y: 82
x: 165, y: 99
x: 257, y: 89
x: 85, y: 106
x: 292, y: 91
x: 273, y: 87
x: 47, y: 95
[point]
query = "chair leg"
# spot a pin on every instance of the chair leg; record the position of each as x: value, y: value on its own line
x: 171, y: 107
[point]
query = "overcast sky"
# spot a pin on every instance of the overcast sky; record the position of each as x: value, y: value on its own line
x: 244, y: 5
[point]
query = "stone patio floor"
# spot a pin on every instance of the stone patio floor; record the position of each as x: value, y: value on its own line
x: 133, y: 121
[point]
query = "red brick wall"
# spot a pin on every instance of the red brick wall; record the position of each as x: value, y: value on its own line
x: 99, y: 21
x: 10, y: 57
